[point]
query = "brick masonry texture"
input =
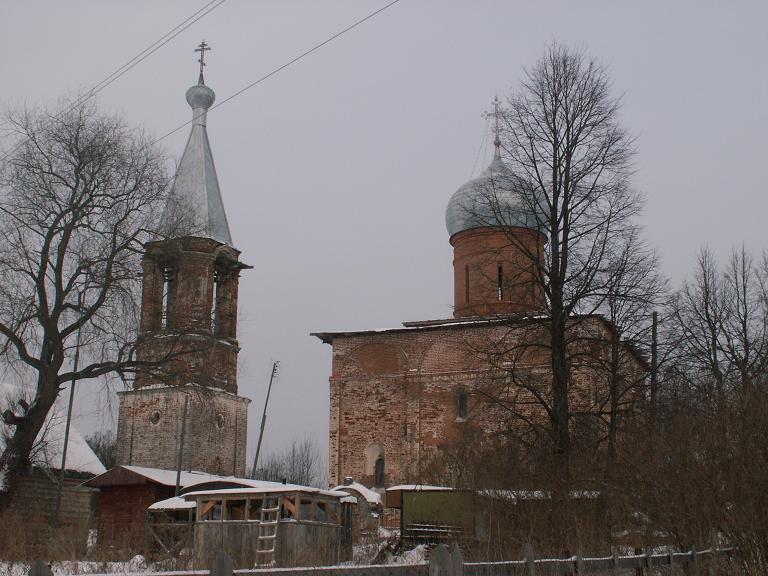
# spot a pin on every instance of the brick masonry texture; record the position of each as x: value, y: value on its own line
x: 149, y: 429
x: 397, y: 392
x: 482, y: 258
x: 188, y: 340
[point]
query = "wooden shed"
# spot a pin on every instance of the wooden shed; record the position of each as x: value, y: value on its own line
x: 433, y: 513
x: 125, y: 493
x: 257, y: 522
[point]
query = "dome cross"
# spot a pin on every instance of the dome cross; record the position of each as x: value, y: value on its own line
x: 202, y: 48
x: 496, y: 129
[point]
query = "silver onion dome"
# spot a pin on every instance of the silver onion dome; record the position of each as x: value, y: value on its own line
x: 200, y: 96
x: 495, y: 198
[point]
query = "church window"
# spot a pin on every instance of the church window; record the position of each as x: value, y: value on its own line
x: 379, y: 472
x: 154, y: 418
x: 220, y: 420
x: 462, y: 404
x: 374, y: 464
x: 169, y: 293
x: 466, y: 283
x: 500, y: 275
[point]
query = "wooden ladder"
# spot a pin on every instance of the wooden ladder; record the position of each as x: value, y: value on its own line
x: 266, y: 545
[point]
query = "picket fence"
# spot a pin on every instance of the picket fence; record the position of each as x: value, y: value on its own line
x: 444, y: 563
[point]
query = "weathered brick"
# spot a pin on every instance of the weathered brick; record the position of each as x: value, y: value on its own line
x: 188, y: 339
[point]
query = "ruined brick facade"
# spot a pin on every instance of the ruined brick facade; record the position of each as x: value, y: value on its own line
x: 188, y: 338
x: 150, y: 429
x: 396, y: 395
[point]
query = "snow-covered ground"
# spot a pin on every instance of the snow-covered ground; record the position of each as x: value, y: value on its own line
x: 136, y: 564
x: 363, y: 554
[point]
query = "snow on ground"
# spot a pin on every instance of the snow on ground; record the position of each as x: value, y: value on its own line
x: 416, y: 556
x: 136, y: 564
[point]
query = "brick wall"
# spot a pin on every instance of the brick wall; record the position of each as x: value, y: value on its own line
x: 188, y: 338
x: 32, y: 508
x: 399, y: 390
x: 149, y: 429
x: 480, y: 256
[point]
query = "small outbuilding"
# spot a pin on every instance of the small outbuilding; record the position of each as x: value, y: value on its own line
x: 257, y: 522
x: 368, y: 512
x: 125, y: 493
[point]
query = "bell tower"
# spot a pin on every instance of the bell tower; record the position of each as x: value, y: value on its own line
x: 184, y: 409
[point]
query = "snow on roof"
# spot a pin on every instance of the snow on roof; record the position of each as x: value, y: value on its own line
x: 261, y: 487
x: 370, y: 495
x: 174, y: 503
x: 168, y: 477
x: 49, y: 444
x: 349, y: 500
x: 417, y: 488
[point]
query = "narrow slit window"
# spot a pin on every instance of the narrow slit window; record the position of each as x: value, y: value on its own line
x: 500, y: 289
x: 379, y: 472
x: 466, y: 283
x: 215, y: 308
x: 462, y: 401
x: 169, y: 276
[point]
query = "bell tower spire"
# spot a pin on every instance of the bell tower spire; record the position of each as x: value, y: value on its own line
x: 188, y: 331
x: 195, y: 205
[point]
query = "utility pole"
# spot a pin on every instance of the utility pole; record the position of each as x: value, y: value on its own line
x: 654, y: 364
x: 264, y: 418
x: 182, y: 433
x: 62, y: 471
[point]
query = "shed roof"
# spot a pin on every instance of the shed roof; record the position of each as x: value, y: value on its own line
x: 249, y: 487
x: 133, y: 475
x: 50, y: 441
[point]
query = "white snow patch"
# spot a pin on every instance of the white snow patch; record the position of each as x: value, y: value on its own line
x: 417, y: 488
x: 174, y: 503
x: 49, y: 444
x: 370, y: 495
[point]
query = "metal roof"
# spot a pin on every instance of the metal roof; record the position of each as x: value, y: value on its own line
x: 495, y: 198
x: 194, y: 206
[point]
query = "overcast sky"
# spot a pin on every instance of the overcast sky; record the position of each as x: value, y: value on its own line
x: 335, y: 173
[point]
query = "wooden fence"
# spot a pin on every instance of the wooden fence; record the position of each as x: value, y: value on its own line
x: 445, y: 563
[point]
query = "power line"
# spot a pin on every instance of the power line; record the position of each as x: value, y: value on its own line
x: 136, y: 60
x: 152, y: 48
x: 286, y: 65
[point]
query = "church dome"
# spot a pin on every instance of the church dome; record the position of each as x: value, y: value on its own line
x: 492, y: 199
x: 200, y: 96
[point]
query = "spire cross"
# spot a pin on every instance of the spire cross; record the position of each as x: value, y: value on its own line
x: 496, y: 126
x: 202, y: 48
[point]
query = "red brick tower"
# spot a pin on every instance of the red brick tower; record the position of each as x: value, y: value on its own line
x: 186, y: 410
x: 497, y: 245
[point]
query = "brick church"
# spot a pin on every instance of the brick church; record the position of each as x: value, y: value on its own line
x: 398, y: 396
x: 184, y: 411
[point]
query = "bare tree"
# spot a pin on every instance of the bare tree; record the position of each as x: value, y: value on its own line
x: 721, y: 321
x: 570, y: 162
x: 299, y: 463
x: 80, y: 191
x: 104, y: 445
